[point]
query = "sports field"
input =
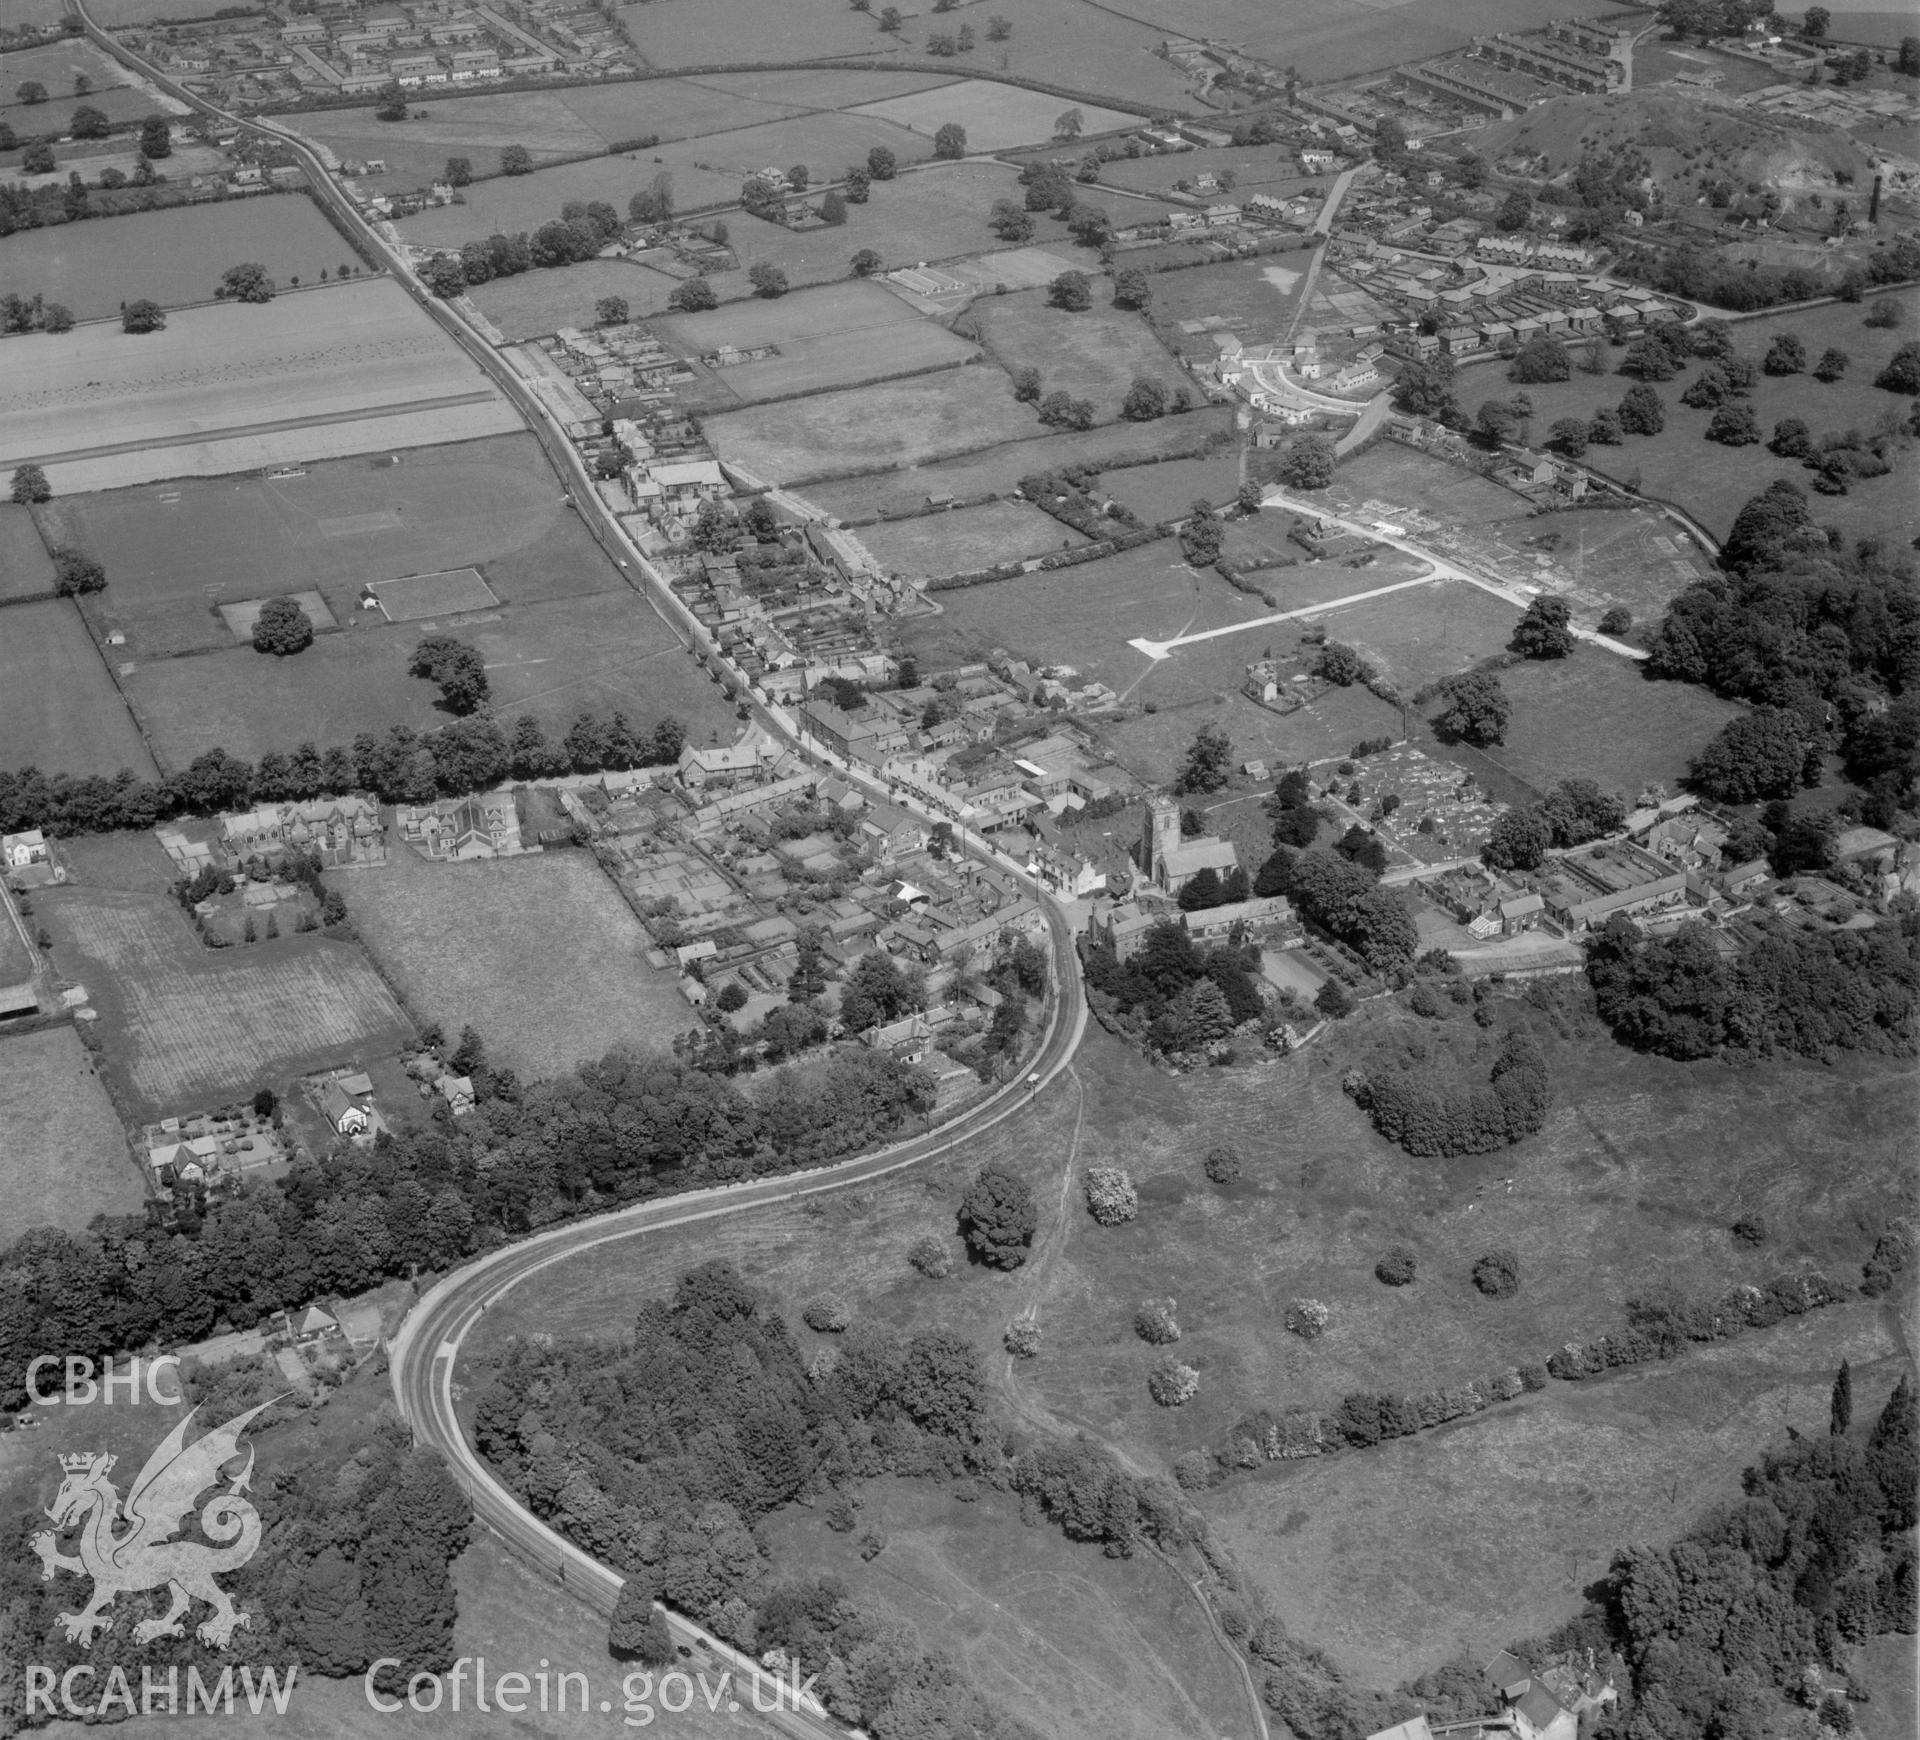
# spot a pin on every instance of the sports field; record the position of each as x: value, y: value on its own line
x: 834, y: 336
x: 996, y: 117
x: 906, y: 423
x: 66, y: 1154
x: 230, y: 386
x: 1093, y: 355
x: 1712, y: 481
x: 25, y: 567
x: 541, y: 953
x: 174, y: 552
x: 184, y: 1026
x: 173, y: 257
x: 59, y: 710
x: 965, y: 538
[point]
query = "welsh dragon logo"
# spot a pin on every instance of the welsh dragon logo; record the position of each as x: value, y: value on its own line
x: 145, y: 1555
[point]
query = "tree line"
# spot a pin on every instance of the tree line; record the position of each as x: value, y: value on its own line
x: 628, y: 1127
x: 400, y: 766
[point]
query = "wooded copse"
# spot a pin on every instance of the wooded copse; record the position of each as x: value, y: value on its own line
x: 661, y: 1453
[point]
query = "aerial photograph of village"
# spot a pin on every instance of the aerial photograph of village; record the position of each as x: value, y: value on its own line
x: 1017, y: 870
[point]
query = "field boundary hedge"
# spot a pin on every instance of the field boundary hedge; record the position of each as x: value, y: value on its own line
x: 1657, y: 1331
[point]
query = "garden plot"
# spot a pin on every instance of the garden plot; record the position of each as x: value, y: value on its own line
x: 229, y: 387
x: 996, y: 117
x: 183, y: 1025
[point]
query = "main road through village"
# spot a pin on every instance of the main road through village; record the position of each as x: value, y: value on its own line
x: 425, y: 1351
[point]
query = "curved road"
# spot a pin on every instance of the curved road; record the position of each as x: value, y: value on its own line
x: 424, y: 1352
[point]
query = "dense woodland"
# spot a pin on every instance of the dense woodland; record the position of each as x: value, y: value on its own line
x: 1803, y: 993
x: 660, y: 1456
x: 1798, y: 623
x: 628, y: 1127
x: 1176, y: 994
x: 354, y: 1565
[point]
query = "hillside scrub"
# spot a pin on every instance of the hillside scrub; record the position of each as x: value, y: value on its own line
x: 1431, y: 1110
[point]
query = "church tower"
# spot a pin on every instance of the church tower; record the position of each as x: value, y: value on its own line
x: 1161, y: 837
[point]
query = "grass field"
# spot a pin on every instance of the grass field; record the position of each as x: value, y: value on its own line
x: 835, y: 336
x: 553, y: 659
x: 1000, y: 468
x: 1073, y: 1642
x: 176, y: 552
x: 976, y: 537
x: 1255, y: 168
x: 996, y: 117
x: 533, y: 304
x: 1094, y: 355
x: 1594, y: 715
x: 1573, y: 1476
x: 1711, y: 481
x: 328, y: 358
x: 937, y: 213
x: 1398, y: 479
x: 1412, y: 637
x: 1604, y: 557
x: 174, y: 257
x: 476, y: 127
x: 907, y: 423
x: 25, y: 567
x: 559, y: 659
x: 1641, y: 1167
x: 183, y: 1025
x: 706, y: 171
x: 540, y: 953
x: 1167, y: 491
x: 59, y: 710
x: 66, y: 1153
